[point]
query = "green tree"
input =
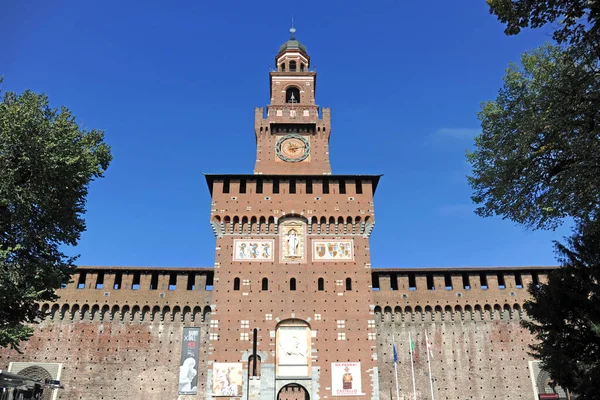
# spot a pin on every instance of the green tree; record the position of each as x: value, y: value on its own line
x: 565, y: 315
x: 576, y: 22
x: 537, y: 160
x: 46, y: 165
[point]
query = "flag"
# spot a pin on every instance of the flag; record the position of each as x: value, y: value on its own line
x: 429, y: 348
x: 412, y: 349
x: 395, y: 353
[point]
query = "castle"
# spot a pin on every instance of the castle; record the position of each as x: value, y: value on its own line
x: 292, y: 308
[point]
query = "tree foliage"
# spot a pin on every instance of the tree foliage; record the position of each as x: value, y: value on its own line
x: 46, y: 164
x: 565, y: 315
x: 537, y: 160
x: 576, y: 22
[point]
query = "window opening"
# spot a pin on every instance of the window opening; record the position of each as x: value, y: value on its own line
x: 393, y: 281
x: 325, y: 186
x: 412, y: 281
x: 226, y: 186
x: 154, y: 281
x: 483, y: 280
x: 292, y: 66
x: 358, y: 186
x: 242, y: 186
x: 448, y: 281
x: 81, y: 282
x: 501, y: 283
x: 275, y: 185
x: 292, y: 95
x: 348, y: 284
x: 135, y: 285
x: 321, y: 284
x: 292, y: 186
x: 191, y: 282
x: 466, y: 281
x: 430, y: 284
x: 100, y: 280
x: 173, y: 281
x: 265, y: 284
x: 535, y: 279
x: 309, y: 188
x: 118, y: 280
x: 342, y: 186
x: 236, y: 284
x: 293, y: 284
x: 518, y: 280
x: 259, y: 186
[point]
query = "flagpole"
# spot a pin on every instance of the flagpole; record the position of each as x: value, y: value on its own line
x: 412, y: 367
x: 395, y: 365
x: 429, y: 365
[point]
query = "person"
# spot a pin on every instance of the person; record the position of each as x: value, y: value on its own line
x: 187, y: 373
x: 347, y: 379
x: 292, y: 242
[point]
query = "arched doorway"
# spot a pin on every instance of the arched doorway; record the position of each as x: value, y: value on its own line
x: 293, y: 391
x: 39, y: 374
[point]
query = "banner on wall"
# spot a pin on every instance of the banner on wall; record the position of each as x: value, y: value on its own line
x: 345, y: 379
x: 188, y: 370
x: 227, y: 379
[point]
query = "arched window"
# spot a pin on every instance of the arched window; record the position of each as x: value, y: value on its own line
x: 292, y: 66
x: 292, y: 95
x: 321, y: 284
x: 293, y: 284
x: 236, y: 284
x: 282, y: 67
x: 348, y: 284
x: 302, y: 67
x: 265, y: 284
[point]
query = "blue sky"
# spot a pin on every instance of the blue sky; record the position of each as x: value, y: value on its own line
x: 174, y: 85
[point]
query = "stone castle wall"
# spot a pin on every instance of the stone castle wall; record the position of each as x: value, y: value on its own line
x: 127, y: 344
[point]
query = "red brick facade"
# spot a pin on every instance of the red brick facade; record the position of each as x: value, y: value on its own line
x: 292, y: 266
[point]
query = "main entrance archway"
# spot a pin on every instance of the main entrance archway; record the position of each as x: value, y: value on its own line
x: 39, y: 374
x: 293, y: 391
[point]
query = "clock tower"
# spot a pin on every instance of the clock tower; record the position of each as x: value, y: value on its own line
x: 292, y: 138
x: 292, y: 309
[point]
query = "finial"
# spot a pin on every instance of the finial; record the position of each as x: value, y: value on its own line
x: 292, y: 30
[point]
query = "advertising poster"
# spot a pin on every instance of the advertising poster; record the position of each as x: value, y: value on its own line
x: 345, y: 379
x: 227, y: 379
x: 188, y: 370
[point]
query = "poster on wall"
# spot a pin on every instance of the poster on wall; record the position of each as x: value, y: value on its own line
x: 188, y: 370
x: 227, y: 379
x: 252, y: 250
x: 345, y: 379
x: 333, y: 250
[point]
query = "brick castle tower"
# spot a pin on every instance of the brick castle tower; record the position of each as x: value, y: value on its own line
x: 292, y: 303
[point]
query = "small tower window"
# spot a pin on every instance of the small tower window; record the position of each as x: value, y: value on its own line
x: 302, y: 67
x: 282, y: 67
x: 292, y: 95
x: 321, y: 284
x: 348, y: 284
x: 292, y: 66
x: 293, y: 284
x: 265, y: 284
x: 236, y: 284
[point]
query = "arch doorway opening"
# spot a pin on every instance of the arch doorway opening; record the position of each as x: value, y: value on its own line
x: 293, y: 391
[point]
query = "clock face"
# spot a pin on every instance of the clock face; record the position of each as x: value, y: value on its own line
x: 292, y: 148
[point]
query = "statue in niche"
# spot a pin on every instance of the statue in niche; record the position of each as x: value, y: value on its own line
x: 292, y: 240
